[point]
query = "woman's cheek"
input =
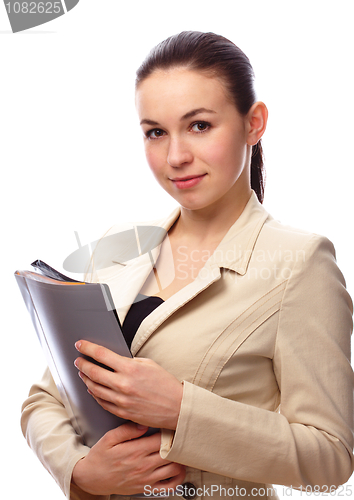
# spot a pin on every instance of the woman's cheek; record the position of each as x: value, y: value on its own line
x: 228, y: 155
x: 214, y: 156
x: 153, y: 159
x: 156, y: 163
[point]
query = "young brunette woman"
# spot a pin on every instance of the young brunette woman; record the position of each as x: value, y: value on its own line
x: 240, y: 329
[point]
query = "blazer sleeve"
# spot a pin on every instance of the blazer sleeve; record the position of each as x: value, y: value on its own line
x: 309, y: 441
x: 48, y: 431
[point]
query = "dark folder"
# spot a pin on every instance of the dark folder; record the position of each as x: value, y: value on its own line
x: 64, y: 311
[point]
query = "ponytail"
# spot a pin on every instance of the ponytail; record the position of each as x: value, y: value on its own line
x: 257, y: 171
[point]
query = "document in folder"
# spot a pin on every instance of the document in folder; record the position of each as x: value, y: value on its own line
x: 64, y: 311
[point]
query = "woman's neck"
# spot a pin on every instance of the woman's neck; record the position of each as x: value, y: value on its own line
x: 209, y: 225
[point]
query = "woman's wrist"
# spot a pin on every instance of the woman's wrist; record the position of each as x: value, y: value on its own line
x: 76, y: 476
x: 80, y: 479
x: 178, y: 403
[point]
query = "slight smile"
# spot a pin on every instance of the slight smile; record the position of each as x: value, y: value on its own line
x: 188, y: 181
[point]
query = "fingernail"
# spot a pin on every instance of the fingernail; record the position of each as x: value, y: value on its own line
x: 78, y: 345
x: 142, y: 427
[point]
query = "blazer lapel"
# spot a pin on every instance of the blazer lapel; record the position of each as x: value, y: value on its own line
x: 209, y: 275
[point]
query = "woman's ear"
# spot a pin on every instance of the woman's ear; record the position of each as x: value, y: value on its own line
x: 257, y: 122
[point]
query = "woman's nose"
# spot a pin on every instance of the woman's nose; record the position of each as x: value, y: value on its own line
x: 179, y: 153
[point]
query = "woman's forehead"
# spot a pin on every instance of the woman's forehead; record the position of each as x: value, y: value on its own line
x: 179, y: 87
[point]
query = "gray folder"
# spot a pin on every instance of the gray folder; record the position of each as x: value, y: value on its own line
x: 62, y: 313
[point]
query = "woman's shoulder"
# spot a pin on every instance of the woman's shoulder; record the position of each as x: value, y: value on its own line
x: 260, y: 227
x: 289, y: 236
x: 293, y: 251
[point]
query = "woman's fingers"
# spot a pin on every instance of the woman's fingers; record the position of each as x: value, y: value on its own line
x: 123, y: 461
x: 127, y: 432
x: 101, y: 354
x: 175, y: 474
x: 137, y: 389
x: 111, y: 407
x: 167, y: 471
x: 105, y: 389
x: 98, y: 383
x: 152, y: 467
x: 98, y: 374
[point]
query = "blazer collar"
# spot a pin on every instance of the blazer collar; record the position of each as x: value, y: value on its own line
x: 235, y: 250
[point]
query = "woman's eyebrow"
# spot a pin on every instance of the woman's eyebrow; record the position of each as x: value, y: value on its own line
x: 190, y: 114
x: 194, y: 112
x: 148, y: 122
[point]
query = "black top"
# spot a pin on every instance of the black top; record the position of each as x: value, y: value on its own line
x: 139, y: 310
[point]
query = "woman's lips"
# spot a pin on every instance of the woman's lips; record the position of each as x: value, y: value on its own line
x: 188, y: 181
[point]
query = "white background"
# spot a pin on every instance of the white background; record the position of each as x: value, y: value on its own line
x: 72, y: 158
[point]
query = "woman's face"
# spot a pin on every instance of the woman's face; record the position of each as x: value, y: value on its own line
x: 195, y: 139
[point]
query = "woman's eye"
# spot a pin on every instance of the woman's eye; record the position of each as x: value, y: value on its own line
x: 200, y: 127
x: 154, y: 133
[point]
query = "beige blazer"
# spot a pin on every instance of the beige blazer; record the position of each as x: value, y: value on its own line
x: 261, y: 339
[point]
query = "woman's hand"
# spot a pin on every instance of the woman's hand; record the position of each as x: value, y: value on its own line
x: 137, y: 389
x: 121, y: 464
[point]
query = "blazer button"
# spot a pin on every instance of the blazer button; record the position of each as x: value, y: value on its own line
x: 189, y: 491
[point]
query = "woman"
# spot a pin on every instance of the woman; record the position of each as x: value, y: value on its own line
x: 243, y: 350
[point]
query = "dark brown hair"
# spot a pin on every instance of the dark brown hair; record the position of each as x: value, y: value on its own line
x: 217, y: 56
